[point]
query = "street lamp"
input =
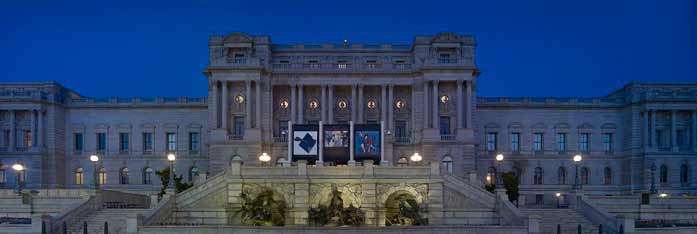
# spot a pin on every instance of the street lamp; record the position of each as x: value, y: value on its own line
x: 577, y: 160
x: 558, y: 195
x: 18, y: 168
x: 94, y: 158
x: 264, y: 158
x: 499, y: 178
x: 415, y: 157
x: 663, y: 195
x: 171, y: 157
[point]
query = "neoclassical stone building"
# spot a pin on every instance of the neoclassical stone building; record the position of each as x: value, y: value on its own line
x: 424, y: 94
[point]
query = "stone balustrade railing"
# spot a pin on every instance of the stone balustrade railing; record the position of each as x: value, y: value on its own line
x: 610, y: 223
x: 49, y: 193
x: 549, y: 101
x: 508, y: 212
x: 72, y: 215
x: 139, y: 101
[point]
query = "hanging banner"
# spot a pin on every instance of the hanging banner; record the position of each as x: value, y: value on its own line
x: 366, y: 142
x: 336, y: 143
x: 305, y: 142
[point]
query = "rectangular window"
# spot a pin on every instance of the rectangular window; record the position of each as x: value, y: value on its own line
x: 238, y: 127
x: 194, y: 142
x: 171, y: 142
x: 561, y: 142
x: 147, y: 142
x: 515, y: 142
x: 681, y: 136
x: 444, y: 125
x: 659, y: 137
x: 371, y: 64
x: 101, y: 142
x: 124, y: 142
x: 77, y: 142
x: 491, y: 141
x: 537, y: 142
x: 607, y: 142
x: 583, y: 145
x: 27, y: 139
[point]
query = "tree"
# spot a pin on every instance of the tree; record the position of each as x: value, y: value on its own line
x: 164, y: 177
x: 511, y: 183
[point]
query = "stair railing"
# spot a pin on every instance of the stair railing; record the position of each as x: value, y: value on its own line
x: 72, y: 215
x: 609, y: 222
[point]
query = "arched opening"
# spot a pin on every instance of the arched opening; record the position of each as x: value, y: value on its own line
x: 101, y: 176
x: 147, y: 175
x: 491, y: 175
x: 79, y: 176
x: 447, y: 163
x: 193, y: 173
x: 123, y: 176
x: 539, y: 176
x: 402, y: 209
x: 664, y: 174
x: 607, y: 176
x: 585, y: 175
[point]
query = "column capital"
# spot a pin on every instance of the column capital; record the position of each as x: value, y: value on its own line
x: 459, y: 82
x: 247, y: 81
x: 435, y: 81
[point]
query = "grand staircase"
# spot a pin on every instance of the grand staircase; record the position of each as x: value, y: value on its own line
x: 568, y: 219
x: 116, y: 219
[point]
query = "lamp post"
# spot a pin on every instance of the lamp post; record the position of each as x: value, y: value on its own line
x: 498, y: 179
x: 264, y: 158
x: 416, y: 158
x: 653, y: 179
x: 558, y: 195
x: 577, y: 160
x: 171, y: 157
x: 94, y: 158
x: 18, y: 169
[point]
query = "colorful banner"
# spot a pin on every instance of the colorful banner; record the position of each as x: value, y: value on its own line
x: 367, y: 142
x: 305, y: 142
x: 337, y: 140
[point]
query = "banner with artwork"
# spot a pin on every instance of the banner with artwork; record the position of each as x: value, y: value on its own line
x: 336, y: 143
x: 367, y: 142
x: 305, y: 142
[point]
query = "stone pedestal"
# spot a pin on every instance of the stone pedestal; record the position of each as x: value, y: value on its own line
x: 533, y: 224
x: 40, y: 222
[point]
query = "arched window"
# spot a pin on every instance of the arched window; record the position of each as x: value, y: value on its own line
x: 447, y: 163
x: 23, y: 174
x: 402, y: 162
x: 561, y: 175
x: 539, y: 175
x: 123, y: 176
x: 102, y: 176
x: 664, y: 174
x: 585, y: 175
x: 684, y: 175
x: 491, y: 175
x: 607, y: 176
x: 147, y: 175
x: 79, y: 176
x: 193, y: 173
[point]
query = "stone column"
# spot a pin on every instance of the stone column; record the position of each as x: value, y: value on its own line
x: 301, y: 104
x: 383, y: 102
x: 293, y: 103
x: 351, y: 161
x: 646, y: 129
x: 673, y: 130
x: 224, y: 114
x: 330, y: 104
x: 353, y: 103
x: 32, y: 127
x: 469, y: 104
x: 247, y: 104
x: 459, y: 104
x: 257, y: 104
x: 435, y: 121
x: 214, y: 98
x: 654, y: 139
x: 412, y: 110
x: 40, y: 130
x: 360, y: 104
x: 323, y: 104
x: 13, y: 132
x: 425, y: 106
x: 390, y: 108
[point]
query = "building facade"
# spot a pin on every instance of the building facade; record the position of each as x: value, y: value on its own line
x: 640, y: 137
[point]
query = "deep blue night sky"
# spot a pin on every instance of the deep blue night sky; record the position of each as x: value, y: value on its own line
x: 525, y: 48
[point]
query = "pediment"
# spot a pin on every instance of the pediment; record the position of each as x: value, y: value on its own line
x: 561, y: 126
x: 608, y: 126
x: 539, y: 126
x: 585, y: 126
x: 492, y: 125
x: 515, y: 125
